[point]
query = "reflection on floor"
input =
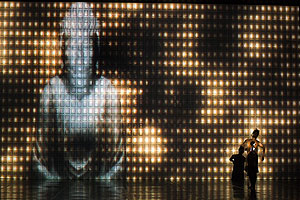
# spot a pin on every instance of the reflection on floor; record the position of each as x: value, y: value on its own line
x: 204, y: 189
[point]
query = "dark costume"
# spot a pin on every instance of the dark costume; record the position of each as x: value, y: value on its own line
x: 238, y: 167
x: 252, y: 167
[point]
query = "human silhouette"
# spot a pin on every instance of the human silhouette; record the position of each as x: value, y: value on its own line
x: 79, y: 134
x: 238, y: 165
x: 252, y: 167
x: 251, y: 146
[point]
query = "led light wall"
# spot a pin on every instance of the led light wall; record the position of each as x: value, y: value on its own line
x: 192, y: 81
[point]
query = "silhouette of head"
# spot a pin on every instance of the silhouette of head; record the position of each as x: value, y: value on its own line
x: 241, y: 150
x: 255, y: 133
x: 79, y: 40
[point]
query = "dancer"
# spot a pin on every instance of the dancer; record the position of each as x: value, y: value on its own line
x: 251, y: 145
x: 238, y: 165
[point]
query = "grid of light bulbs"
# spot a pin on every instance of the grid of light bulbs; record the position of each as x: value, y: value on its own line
x: 230, y: 83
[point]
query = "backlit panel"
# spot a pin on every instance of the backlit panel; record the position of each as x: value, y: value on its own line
x: 192, y: 81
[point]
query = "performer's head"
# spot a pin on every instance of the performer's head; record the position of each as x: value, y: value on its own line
x: 241, y: 150
x: 79, y: 40
x: 255, y: 133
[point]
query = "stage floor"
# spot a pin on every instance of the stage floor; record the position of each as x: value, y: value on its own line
x: 203, y: 189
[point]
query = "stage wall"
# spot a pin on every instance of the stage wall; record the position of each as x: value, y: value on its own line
x: 193, y: 81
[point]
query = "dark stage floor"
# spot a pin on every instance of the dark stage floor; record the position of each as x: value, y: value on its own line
x: 203, y: 189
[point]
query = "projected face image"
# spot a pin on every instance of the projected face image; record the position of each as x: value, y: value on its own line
x: 80, y: 46
x: 79, y: 122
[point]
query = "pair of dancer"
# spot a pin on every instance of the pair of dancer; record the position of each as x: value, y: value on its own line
x: 251, y: 146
